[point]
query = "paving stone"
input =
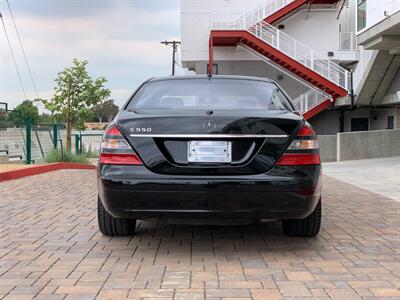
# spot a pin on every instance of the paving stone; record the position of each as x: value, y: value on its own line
x: 77, y: 289
x: 113, y: 294
x: 341, y: 294
x: 50, y: 248
x: 227, y: 293
x: 385, y: 292
x: 299, y: 276
x: 272, y: 294
x: 293, y: 289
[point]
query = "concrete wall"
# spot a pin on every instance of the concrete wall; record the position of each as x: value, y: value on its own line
x: 368, y: 144
x: 379, y: 118
x: 327, y: 147
x: 359, y: 145
x: 395, y: 85
x: 397, y: 118
x: 326, y: 122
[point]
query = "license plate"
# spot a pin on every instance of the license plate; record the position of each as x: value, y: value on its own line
x: 210, y: 151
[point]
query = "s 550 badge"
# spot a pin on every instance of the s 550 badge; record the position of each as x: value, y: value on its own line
x: 140, y: 130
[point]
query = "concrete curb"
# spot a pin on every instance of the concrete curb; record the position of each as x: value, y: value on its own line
x: 40, y: 169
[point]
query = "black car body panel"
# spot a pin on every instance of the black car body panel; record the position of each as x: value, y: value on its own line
x: 251, y: 186
x: 284, y: 192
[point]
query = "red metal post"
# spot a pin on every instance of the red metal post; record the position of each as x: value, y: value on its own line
x: 211, y: 55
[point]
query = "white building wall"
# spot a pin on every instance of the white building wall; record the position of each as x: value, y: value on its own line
x: 196, y: 18
x: 377, y: 10
x: 318, y: 29
x: 347, y: 17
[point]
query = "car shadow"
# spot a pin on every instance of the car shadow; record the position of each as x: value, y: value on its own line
x: 259, y: 235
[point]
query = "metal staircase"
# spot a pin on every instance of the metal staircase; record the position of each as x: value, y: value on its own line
x: 252, y: 31
x: 309, y: 103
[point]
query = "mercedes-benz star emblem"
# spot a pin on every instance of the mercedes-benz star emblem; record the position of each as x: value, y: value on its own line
x: 209, y: 125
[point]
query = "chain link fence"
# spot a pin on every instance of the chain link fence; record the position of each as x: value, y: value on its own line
x: 30, y: 143
x: 89, y: 143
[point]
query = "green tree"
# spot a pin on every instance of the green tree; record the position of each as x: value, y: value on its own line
x: 24, y: 111
x: 83, y: 115
x: 47, y: 119
x: 106, y: 111
x: 75, y: 92
x: 4, y: 119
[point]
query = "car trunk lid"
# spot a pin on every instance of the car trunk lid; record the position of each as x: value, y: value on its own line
x: 255, y: 139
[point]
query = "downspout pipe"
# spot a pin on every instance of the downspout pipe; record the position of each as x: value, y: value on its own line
x: 352, y: 96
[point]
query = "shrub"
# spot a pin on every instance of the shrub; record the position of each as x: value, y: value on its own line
x: 58, y: 155
x: 90, y: 153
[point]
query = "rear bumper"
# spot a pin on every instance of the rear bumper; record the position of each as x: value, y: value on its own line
x: 282, y: 193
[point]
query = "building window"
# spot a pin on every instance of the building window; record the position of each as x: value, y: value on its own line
x: 215, y: 69
x: 359, y: 124
x: 390, y: 122
x: 361, y: 14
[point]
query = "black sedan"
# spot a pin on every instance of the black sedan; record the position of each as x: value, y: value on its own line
x: 227, y: 148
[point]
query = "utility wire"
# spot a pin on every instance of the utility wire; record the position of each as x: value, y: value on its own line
x: 23, y: 51
x: 13, y: 57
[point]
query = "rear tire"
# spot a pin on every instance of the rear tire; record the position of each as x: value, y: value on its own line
x: 111, y: 226
x: 308, y: 227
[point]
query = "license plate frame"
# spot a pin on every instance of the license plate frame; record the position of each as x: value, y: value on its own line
x: 209, y: 152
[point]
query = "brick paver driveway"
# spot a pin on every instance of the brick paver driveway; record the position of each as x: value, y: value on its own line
x: 50, y: 248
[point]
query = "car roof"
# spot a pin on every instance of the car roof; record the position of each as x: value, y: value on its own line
x: 213, y: 77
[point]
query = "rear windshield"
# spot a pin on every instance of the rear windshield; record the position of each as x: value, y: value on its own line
x: 209, y: 94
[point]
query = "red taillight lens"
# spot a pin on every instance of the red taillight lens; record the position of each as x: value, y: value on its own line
x: 306, y: 131
x: 112, y: 130
x: 119, y: 159
x: 298, y: 159
x: 303, y: 150
x: 115, y: 150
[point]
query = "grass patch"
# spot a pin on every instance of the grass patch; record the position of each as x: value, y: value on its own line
x: 58, y: 155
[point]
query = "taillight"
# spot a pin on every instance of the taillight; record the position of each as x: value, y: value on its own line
x: 115, y: 150
x: 303, y: 150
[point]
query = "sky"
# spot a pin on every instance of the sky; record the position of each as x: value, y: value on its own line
x: 119, y: 38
